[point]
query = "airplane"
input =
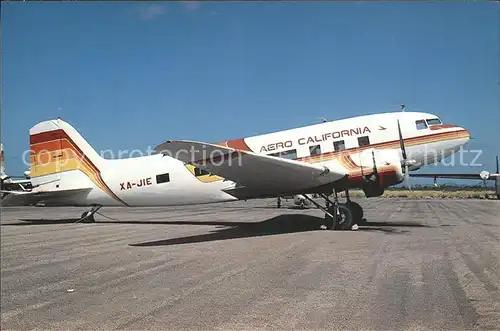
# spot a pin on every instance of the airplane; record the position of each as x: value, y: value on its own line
x: 370, y: 152
x: 9, y: 183
x: 483, y: 175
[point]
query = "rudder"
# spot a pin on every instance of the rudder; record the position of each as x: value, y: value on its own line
x: 56, y: 147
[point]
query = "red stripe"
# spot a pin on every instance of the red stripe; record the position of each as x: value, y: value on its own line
x: 60, y: 134
x: 48, y: 136
x: 238, y: 144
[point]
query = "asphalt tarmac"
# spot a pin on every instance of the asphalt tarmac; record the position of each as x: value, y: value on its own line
x: 417, y: 265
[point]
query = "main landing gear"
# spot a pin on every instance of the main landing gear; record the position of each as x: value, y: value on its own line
x: 340, y: 216
x: 88, y: 216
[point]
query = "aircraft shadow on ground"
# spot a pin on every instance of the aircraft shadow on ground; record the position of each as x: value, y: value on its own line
x: 281, y: 224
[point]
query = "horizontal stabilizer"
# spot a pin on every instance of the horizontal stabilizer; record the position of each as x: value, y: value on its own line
x: 29, y: 198
x: 482, y: 176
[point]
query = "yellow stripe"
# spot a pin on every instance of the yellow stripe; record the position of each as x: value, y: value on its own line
x: 203, y: 178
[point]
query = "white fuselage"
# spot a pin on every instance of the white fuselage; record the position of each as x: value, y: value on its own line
x: 133, y: 181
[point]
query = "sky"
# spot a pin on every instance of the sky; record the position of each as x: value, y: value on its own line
x: 130, y: 75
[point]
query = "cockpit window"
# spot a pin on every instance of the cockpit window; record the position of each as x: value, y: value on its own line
x: 433, y: 121
x: 421, y: 125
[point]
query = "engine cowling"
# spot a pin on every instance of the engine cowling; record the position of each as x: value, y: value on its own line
x: 373, y: 170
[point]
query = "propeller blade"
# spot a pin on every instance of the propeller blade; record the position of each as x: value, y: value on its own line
x: 374, y: 163
x: 375, y: 170
x: 401, y: 142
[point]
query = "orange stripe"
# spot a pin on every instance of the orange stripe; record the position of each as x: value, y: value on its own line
x: 53, y: 156
x: 54, y: 145
x: 350, y: 162
x: 441, y: 126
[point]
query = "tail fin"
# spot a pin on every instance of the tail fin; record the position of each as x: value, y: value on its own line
x: 55, y: 146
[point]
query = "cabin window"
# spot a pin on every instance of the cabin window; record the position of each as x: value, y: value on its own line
x: 291, y: 154
x: 339, y: 145
x: 200, y: 172
x: 363, y: 141
x: 315, y: 150
x: 433, y: 121
x: 421, y: 125
x: 163, y: 178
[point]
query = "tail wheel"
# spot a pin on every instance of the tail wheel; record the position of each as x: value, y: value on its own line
x: 88, y: 219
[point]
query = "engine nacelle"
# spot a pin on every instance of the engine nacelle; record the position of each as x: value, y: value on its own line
x: 373, y: 170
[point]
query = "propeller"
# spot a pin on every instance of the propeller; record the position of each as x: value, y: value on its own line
x: 405, y: 158
x: 374, y: 177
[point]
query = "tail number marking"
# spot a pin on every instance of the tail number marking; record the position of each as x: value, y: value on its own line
x: 140, y: 183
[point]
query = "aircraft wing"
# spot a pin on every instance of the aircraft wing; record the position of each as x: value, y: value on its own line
x: 484, y: 175
x: 29, y: 198
x: 254, y: 175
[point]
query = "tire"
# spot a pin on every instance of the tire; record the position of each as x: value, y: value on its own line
x: 357, y: 212
x: 347, y: 219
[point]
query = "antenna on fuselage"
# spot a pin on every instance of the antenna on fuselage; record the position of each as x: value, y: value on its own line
x: 323, y: 119
x: 403, y: 108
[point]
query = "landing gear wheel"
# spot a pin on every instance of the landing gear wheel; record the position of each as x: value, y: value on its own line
x: 345, y: 219
x: 357, y: 212
x: 88, y: 219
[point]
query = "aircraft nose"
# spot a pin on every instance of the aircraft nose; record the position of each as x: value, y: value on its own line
x: 463, y: 136
x: 466, y: 133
